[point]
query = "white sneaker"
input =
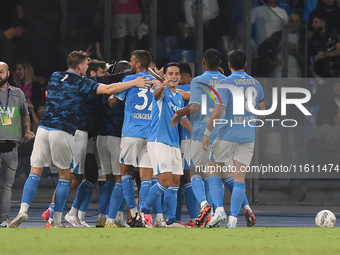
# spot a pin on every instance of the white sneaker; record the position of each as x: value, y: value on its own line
x: 60, y: 225
x: 122, y: 223
x: 176, y: 224
x: 216, y: 219
x: 21, y: 217
x: 160, y: 223
x: 231, y: 222
x: 5, y: 223
x: 73, y: 220
x: 84, y: 223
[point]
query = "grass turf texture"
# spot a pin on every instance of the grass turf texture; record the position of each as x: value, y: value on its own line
x: 171, y: 241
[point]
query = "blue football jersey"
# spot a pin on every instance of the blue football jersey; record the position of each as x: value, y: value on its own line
x: 111, y: 119
x: 90, y: 118
x: 200, y: 88
x: 162, y: 112
x: 237, y: 128
x: 67, y: 93
x: 183, y: 133
x: 137, y: 113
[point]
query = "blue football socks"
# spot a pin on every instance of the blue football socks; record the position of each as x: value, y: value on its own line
x: 143, y: 192
x: 237, y: 198
x: 170, y: 201
x: 105, y: 196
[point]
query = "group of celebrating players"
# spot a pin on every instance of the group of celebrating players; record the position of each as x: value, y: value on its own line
x: 142, y: 121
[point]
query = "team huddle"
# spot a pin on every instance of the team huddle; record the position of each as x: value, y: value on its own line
x: 165, y: 127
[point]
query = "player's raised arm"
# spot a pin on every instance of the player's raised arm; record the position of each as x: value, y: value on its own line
x: 114, y: 88
x: 189, y: 109
x: 186, y: 124
x: 159, y: 92
x: 185, y: 95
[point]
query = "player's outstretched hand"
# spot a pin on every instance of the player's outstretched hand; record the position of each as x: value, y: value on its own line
x: 174, y: 120
x: 155, y: 83
x: 154, y: 73
x: 141, y: 82
x: 205, y: 142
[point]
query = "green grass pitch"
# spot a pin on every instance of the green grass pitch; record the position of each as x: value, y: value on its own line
x: 171, y: 241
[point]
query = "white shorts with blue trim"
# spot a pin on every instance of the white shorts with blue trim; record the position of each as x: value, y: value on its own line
x: 79, y: 152
x: 185, y: 151
x: 108, y: 149
x: 198, y: 156
x: 134, y: 152
x: 226, y: 152
x: 52, y: 145
x: 165, y: 158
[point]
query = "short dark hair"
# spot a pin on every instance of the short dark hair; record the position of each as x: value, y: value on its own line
x: 320, y: 16
x: 184, y: 67
x: 212, y: 58
x: 75, y: 58
x: 18, y: 23
x: 237, y: 59
x: 122, y: 65
x: 94, y: 65
x: 171, y: 64
x: 143, y: 56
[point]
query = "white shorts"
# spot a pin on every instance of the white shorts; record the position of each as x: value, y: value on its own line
x: 198, y: 156
x: 52, y: 145
x: 125, y: 24
x: 79, y: 152
x: 165, y: 158
x: 134, y: 152
x: 108, y: 149
x: 224, y: 151
x: 185, y: 151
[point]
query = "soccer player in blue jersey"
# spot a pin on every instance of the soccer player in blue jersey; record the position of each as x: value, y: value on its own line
x: 235, y: 139
x: 83, y: 162
x: 199, y: 157
x: 67, y: 92
x: 191, y: 202
x: 84, y: 150
x: 112, y: 200
x: 135, y: 132
x: 163, y: 145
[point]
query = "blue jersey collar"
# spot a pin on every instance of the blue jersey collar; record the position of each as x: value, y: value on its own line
x: 212, y: 72
x: 68, y: 71
x: 239, y: 74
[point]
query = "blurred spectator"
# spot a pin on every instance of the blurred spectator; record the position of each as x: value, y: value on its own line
x: 310, y: 5
x: 41, y: 77
x: 210, y: 12
x: 268, y: 52
x: 295, y: 54
x: 324, y: 49
x: 324, y: 145
x: 25, y: 80
x: 7, y: 43
x: 287, y: 5
x: 7, y: 11
x: 35, y: 116
x: 126, y: 17
x: 268, y: 19
x: 330, y: 10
